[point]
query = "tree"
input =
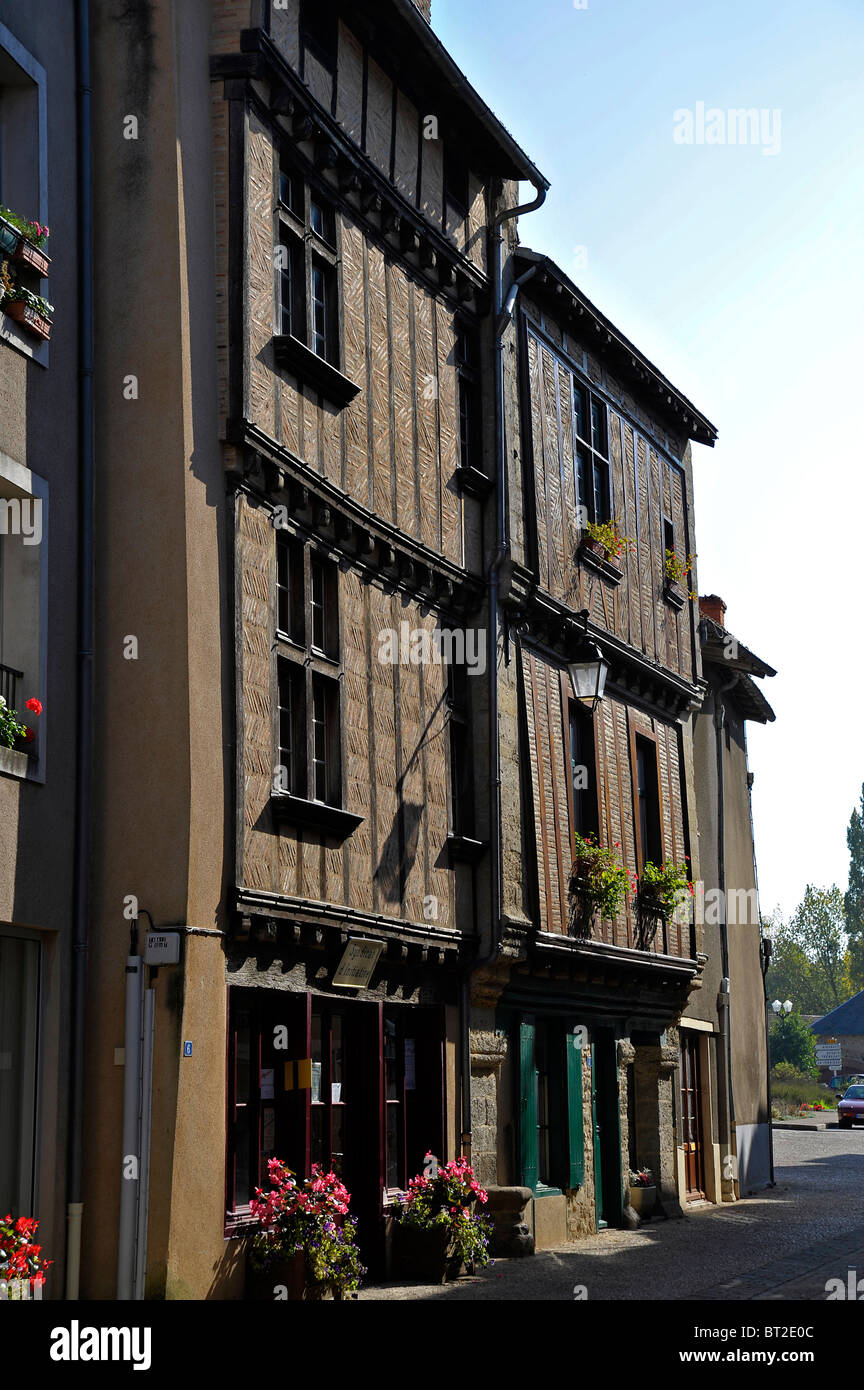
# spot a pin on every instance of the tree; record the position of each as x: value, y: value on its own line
x: 854, y: 899
x: 810, y: 958
x: 792, y: 1042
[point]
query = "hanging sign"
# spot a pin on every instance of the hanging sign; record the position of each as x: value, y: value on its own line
x: 359, y: 959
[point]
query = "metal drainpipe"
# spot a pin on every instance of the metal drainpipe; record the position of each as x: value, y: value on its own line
x: 492, y: 654
x: 726, y: 1032
x: 84, y: 674
x: 765, y: 962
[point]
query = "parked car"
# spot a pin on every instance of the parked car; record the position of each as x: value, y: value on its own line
x: 851, y: 1108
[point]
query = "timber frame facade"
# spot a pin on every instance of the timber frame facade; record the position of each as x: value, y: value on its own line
x: 360, y: 434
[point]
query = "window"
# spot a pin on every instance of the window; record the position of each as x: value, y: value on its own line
x: 583, y: 775
x: 329, y: 1091
x: 289, y: 588
x: 552, y: 1151
x: 668, y: 535
x: 320, y: 32
x: 307, y: 640
x: 19, y: 1031
x: 461, y: 751
x: 326, y: 776
x: 23, y: 570
x: 355, y: 1087
x: 292, y: 726
x: 467, y: 353
x: 307, y: 269
x: 23, y: 175
x: 456, y: 197
x: 650, y: 842
x: 591, y: 454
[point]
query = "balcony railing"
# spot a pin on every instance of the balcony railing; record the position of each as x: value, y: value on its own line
x: 9, y: 679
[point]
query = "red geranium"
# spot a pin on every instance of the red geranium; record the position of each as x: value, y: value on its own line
x: 34, y: 705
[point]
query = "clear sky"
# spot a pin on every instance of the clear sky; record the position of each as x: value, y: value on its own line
x: 740, y: 274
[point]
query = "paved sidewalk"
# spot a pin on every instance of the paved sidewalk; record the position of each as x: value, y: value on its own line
x: 781, y: 1245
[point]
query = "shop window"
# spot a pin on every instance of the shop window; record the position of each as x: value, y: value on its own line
x: 19, y: 1034
x: 551, y: 1135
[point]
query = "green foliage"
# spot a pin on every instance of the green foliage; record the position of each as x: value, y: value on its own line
x: 598, y: 881
x: 607, y: 534
x: 791, y: 1041
x: 810, y: 957
x: 667, y: 882
x: 447, y: 1201
x: 33, y: 231
x: 854, y: 898
x: 678, y: 571
x: 35, y: 301
x: 11, y: 728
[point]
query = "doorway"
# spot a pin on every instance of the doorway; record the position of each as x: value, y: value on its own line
x: 605, y: 1115
x: 691, y: 1118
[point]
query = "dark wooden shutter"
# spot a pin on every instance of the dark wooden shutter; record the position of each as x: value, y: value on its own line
x: 528, y: 1103
x: 574, y: 1109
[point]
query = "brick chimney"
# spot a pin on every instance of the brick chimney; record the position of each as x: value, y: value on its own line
x: 425, y: 8
x: 713, y: 607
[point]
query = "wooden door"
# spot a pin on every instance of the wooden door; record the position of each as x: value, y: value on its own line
x: 691, y: 1117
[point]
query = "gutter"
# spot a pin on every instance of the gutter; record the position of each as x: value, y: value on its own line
x: 503, y: 316
x: 84, y: 673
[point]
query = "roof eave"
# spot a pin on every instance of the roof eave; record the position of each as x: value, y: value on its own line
x: 688, y: 418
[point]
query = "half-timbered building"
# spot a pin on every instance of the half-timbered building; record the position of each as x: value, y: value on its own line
x: 575, y: 1053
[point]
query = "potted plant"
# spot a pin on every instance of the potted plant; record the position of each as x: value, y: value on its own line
x: 22, y: 1268
x: 663, y: 887
x: 437, y: 1230
x: 676, y: 576
x: 643, y: 1192
x: 23, y: 239
x: 30, y: 310
x: 605, y: 540
x: 304, y: 1247
x: 598, y: 883
x: 13, y: 733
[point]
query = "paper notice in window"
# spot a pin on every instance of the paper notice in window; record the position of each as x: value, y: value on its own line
x: 336, y: 1092
x: 267, y: 1084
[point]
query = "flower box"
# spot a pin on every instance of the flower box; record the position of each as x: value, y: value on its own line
x: 643, y: 1200
x: 591, y: 547
x: 285, y: 1281
x: 424, y: 1255
x: 32, y: 255
x: 673, y: 593
x: 29, y: 318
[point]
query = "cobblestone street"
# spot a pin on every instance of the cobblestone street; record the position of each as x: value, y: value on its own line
x: 783, y: 1244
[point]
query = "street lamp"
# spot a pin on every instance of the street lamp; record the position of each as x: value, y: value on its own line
x: 786, y: 1007
x: 587, y: 669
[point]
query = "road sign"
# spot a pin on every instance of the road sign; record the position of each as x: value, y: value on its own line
x: 829, y: 1055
